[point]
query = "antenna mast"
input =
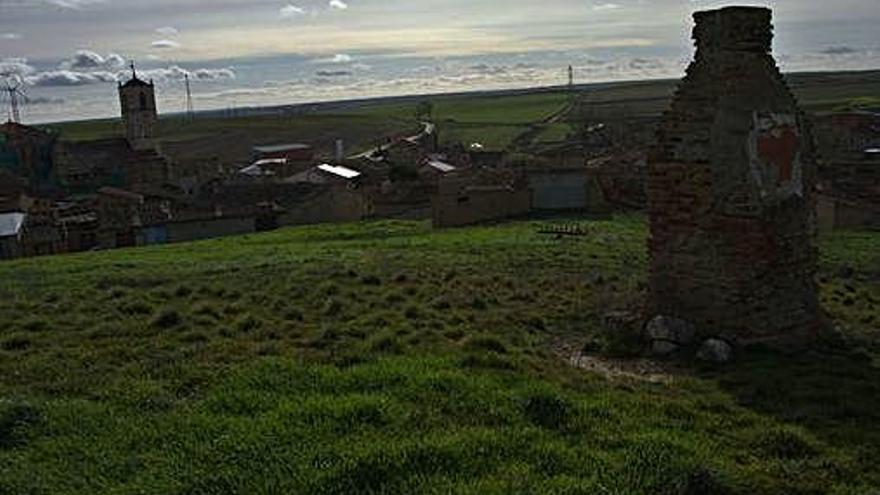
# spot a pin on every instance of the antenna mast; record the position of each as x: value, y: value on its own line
x: 190, y: 112
x: 571, y: 78
x: 14, y: 92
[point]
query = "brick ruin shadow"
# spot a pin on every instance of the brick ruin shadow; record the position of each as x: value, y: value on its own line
x: 824, y: 387
x: 731, y: 191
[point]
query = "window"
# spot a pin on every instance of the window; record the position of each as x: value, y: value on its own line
x: 143, y: 101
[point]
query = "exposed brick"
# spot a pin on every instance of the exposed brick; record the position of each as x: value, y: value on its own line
x: 731, y: 189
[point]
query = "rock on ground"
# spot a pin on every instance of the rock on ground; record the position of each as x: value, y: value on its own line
x: 715, y: 351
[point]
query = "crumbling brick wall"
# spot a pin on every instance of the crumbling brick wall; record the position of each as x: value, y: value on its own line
x: 731, y: 189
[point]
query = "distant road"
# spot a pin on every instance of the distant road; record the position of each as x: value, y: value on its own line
x: 428, y: 129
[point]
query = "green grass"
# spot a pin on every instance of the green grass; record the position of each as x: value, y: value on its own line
x: 385, y: 357
x: 552, y: 133
x: 492, y: 137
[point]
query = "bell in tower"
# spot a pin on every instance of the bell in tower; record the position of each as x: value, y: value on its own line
x: 138, y: 103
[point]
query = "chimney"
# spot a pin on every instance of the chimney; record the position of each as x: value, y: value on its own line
x: 339, y: 151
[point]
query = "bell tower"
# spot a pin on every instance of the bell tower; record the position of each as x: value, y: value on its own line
x: 137, y: 100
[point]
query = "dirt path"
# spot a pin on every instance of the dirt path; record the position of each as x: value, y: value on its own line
x: 525, y: 139
x: 614, y: 370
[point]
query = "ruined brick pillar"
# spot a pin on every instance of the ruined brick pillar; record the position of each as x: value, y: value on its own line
x: 730, y: 190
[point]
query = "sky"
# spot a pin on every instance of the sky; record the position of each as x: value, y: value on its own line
x: 68, y: 54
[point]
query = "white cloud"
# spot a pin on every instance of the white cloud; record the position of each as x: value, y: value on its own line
x: 291, y: 11
x: 165, y: 44
x: 15, y: 68
x: 10, y: 36
x: 338, y: 4
x: 84, y: 60
x: 167, y: 31
x: 71, y: 4
x: 87, y: 68
x: 70, y: 78
x: 177, y: 73
x: 606, y: 6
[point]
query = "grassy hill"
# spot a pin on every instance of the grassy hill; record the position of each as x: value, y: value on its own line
x: 385, y: 357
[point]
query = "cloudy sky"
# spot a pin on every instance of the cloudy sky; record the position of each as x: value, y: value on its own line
x: 69, y: 53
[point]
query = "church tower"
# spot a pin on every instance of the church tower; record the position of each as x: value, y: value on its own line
x: 138, y: 103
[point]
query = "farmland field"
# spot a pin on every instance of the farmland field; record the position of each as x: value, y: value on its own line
x: 494, y: 120
x: 385, y: 357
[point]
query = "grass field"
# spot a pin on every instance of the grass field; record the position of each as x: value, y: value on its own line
x: 385, y: 357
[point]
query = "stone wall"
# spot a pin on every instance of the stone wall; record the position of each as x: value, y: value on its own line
x: 731, y: 190
x: 471, y: 205
x: 336, y: 204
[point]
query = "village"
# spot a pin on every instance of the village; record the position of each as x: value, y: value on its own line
x: 59, y: 196
x: 642, y: 287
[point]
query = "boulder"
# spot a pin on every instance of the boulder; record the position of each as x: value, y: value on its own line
x: 664, y: 328
x: 663, y: 347
x: 715, y: 351
x: 621, y: 321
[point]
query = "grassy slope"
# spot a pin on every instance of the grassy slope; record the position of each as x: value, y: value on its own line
x: 386, y: 357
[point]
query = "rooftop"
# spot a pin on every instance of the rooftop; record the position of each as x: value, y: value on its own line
x: 345, y: 173
x: 11, y: 223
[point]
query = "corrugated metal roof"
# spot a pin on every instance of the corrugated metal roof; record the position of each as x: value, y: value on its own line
x: 271, y: 161
x: 11, y: 223
x: 345, y: 173
x: 441, y: 166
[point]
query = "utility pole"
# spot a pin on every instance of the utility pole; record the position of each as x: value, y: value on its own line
x: 571, y: 79
x: 190, y: 112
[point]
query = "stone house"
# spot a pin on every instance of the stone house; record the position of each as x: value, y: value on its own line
x: 457, y: 204
x: 11, y: 234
